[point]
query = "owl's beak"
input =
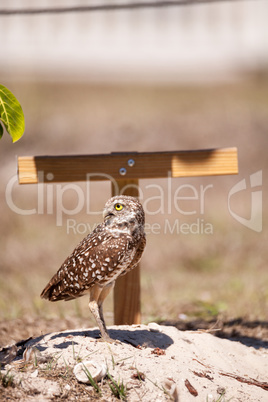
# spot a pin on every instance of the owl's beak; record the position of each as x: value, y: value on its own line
x: 107, y: 215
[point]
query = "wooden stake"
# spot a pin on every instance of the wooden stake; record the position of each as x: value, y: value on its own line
x: 127, y: 308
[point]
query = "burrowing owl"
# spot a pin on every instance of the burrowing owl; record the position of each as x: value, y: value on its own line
x: 112, y: 249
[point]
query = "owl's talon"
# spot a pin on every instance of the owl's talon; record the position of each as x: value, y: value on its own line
x: 107, y: 339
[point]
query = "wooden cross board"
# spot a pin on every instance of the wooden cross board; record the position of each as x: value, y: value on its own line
x: 124, y: 170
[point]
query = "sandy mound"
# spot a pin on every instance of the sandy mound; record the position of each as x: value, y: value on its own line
x: 154, y: 362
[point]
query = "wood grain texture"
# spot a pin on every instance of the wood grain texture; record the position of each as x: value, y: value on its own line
x: 35, y: 169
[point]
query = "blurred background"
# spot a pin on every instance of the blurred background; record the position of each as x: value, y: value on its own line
x: 191, y: 76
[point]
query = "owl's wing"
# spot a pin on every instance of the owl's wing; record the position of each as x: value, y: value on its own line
x: 97, y: 259
x: 137, y: 255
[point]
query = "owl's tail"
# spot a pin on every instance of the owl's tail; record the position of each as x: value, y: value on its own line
x: 55, y: 290
x: 49, y: 291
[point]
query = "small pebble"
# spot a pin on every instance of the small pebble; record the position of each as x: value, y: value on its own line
x: 34, y: 374
x: 96, y: 370
x: 154, y: 327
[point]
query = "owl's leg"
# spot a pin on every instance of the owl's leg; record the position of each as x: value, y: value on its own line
x: 104, y: 293
x: 97, y: 296
x: 95, y: 292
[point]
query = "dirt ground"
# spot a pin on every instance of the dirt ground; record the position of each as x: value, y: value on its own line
x: 63, y: 384
x: 154, y: 362
x: 250, y: 333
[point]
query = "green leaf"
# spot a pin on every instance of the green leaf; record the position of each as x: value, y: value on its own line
x: 11, y: 114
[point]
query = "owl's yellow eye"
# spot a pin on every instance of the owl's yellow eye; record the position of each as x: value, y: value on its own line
x: 118, y: 207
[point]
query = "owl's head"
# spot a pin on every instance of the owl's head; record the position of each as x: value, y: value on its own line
x: 124, y: 212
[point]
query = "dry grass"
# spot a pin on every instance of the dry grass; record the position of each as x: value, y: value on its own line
x: 223, y: 273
